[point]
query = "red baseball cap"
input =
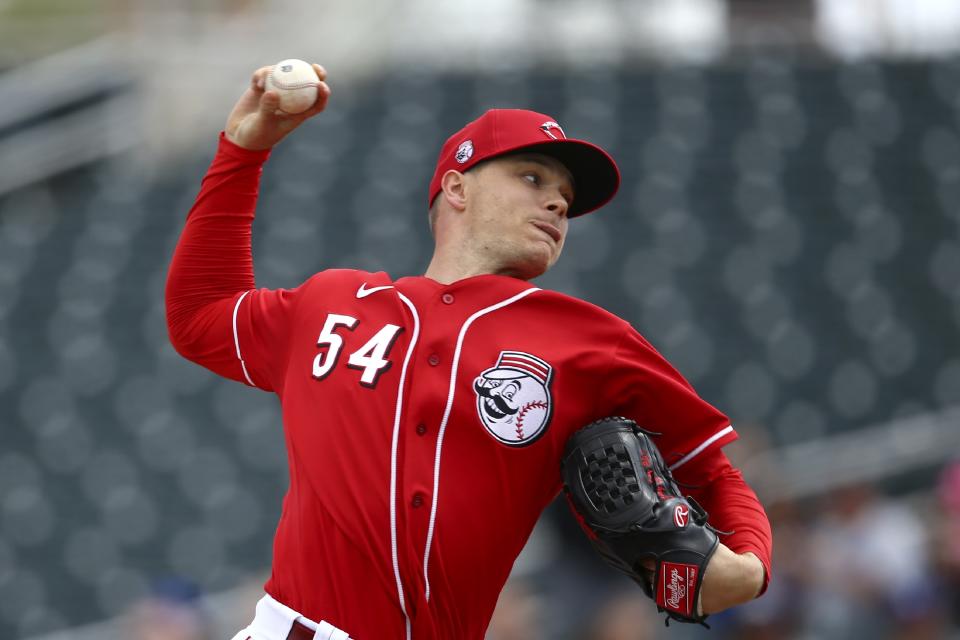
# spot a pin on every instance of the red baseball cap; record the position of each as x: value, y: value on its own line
x: 501, y: 131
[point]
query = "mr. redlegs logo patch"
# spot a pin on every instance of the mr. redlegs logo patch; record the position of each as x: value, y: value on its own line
x: 678, y: 585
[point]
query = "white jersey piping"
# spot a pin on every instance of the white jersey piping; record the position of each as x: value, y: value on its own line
x: 443, y: 424
x: 706, y: 443
x: 236, y: 339
x: 393, y: 460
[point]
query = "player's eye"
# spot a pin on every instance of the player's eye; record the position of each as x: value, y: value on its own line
x: 532, y: 178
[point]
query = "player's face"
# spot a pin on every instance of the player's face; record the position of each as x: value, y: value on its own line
x: 518, y: 212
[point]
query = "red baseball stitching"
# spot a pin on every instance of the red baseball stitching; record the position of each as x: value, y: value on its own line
x: 287, y: 86
x: 537, y: 404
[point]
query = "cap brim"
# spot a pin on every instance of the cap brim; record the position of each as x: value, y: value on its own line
x: 595, y: 174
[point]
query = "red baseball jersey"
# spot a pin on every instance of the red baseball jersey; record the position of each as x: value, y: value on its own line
x: 424, y: 422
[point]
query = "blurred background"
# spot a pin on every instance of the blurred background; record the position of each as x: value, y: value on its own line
x: 786, y: 233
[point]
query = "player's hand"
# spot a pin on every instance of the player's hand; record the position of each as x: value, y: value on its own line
x: 730, y: 579
x: 256, y: 121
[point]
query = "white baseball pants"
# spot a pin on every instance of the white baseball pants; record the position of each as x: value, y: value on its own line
x: 273, y: 621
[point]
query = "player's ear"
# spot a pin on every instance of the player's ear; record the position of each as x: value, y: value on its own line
x: 454, y: 191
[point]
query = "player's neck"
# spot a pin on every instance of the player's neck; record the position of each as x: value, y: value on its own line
x: 446, y: 268
x: 447, y: 271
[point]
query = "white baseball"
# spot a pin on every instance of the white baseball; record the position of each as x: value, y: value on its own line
x: 296, y: 82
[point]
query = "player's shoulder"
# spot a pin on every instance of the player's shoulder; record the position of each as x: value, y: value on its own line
x: 579, y: 310
x: 334, y: 279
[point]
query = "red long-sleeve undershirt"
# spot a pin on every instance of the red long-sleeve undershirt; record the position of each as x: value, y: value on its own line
x: 213, y: 263
x: 733, y: 506
x: 213, y: 260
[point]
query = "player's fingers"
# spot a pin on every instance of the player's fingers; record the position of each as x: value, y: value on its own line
x: 259, y: 78
x: 320, y: 71
x: 323, y: 94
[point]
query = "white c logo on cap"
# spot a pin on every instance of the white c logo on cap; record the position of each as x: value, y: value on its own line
x: 549, y: 127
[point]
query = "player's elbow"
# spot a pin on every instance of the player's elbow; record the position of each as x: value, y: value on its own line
x: 180, y: 337
x: 204, y: 335
x: 187, y: 330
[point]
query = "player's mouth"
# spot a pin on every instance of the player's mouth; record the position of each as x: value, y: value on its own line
x: 548, y: 229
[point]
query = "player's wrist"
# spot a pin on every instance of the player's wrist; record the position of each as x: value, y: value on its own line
x: 232, y: 148
x: 731, y: 579
x: 755, y: 573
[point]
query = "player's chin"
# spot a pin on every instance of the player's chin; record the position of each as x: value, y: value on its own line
x: 537, y: 261
x: 551, y: 254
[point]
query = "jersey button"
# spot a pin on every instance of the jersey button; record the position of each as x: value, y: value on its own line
x: 434, y: 359
x: 447, y: 298
x: 421, y: 429
x: 417, y: 501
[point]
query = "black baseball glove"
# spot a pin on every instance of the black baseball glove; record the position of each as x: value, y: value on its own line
x: 633, y: 512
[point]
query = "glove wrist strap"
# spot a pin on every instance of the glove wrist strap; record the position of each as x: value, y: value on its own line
x: 678, y: 589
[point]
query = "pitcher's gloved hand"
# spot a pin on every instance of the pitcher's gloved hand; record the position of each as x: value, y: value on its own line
x: 625, y: 498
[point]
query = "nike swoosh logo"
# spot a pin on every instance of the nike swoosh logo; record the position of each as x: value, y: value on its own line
x: 363, y: 292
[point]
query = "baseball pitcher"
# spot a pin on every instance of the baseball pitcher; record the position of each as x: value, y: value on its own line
x: 430, y: 419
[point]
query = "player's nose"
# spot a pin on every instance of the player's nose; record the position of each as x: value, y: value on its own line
x: 558, y: 205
